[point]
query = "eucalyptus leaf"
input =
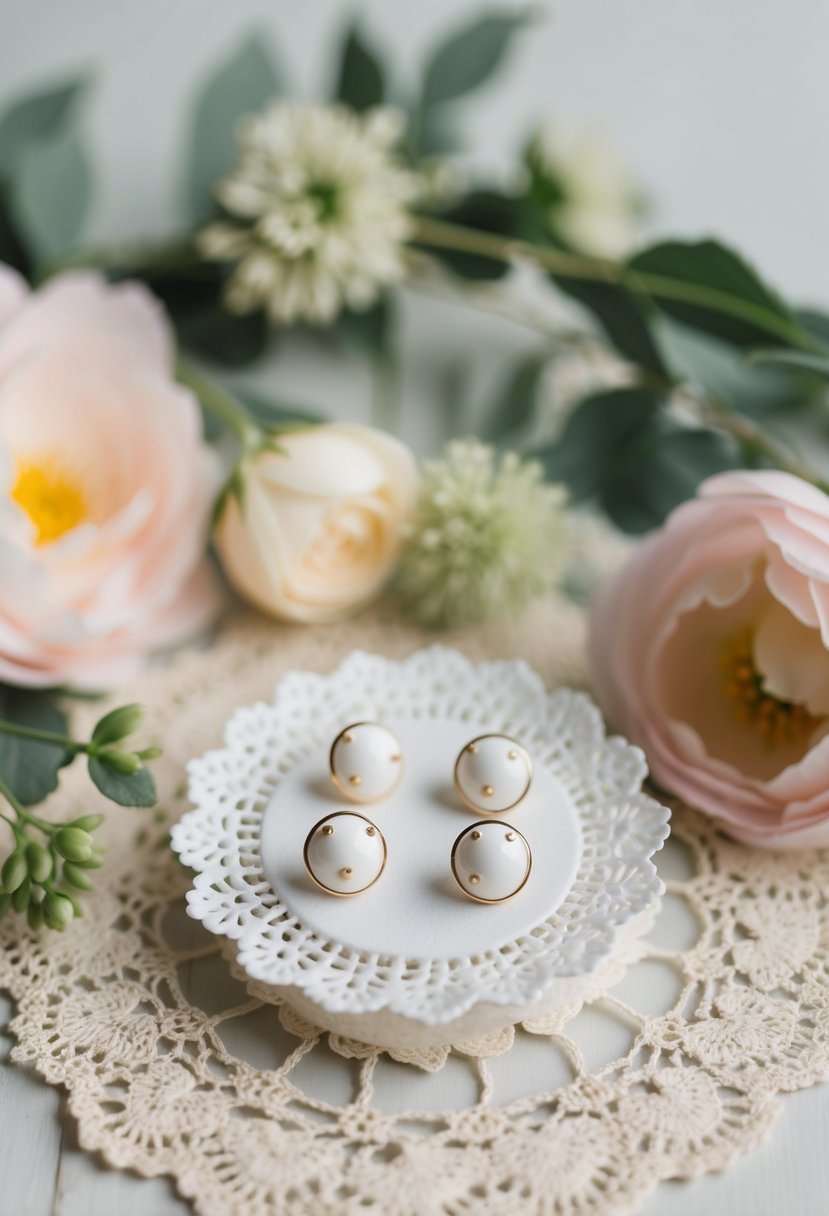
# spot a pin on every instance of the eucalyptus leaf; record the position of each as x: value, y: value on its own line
x: 514, y: 408
x: 596, y: 433
x: 49, y: 198
x: 625, y: 318
x: 243, y: 84
x: 30, y: 769
x: 799, y: 360
x: 36, y: 117
x: 276, y: 413
x: 709, y: 287
x: 192, y: 295
x: 360, y: 82
x: 127, y: 789
x: 371, y: 331
x: 726, y: 373
x: 815, y: 323
x: 659, y: 469
x: 12, y: 249
x: 471, y: 55
x: 434, y: 135
x: 223, y: 337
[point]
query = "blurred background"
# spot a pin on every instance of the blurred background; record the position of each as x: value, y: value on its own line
x: 720, y: 109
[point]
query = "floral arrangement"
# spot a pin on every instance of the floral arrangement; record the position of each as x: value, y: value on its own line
x: 124, y: 453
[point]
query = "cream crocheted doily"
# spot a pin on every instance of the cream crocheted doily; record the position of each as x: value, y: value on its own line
x: 134, y: 1012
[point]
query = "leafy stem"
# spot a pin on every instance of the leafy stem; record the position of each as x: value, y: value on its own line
x: 441, y: 234
x: 43, y: 736
x: 223, y: 406
x: 752, y: 438
x: 39, y: 877
x: 24, y: 815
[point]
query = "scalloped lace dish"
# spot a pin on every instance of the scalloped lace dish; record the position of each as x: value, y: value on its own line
x: 136, y: 1013
x: 621, y: 828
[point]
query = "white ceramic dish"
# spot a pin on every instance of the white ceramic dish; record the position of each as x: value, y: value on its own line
x: 411, y: 961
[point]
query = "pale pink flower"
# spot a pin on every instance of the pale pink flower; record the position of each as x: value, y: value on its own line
x: 711, y: 650
x: 105, y: 485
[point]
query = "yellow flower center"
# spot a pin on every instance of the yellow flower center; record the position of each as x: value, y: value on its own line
x: 53, y: 501
x: 777, y: 721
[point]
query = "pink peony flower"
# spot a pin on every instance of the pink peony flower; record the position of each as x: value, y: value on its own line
x: 105, y: 485
x: 711, y: 650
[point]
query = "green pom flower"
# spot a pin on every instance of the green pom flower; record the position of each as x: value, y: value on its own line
x: 487, y: 536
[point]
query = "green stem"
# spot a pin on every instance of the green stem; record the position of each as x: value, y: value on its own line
x: 443, y: 235
x: 722, y: 417
x: 440, y: 234
x: 222, y: 405
x: 21, y: 811
x: 386, y: 394
x: 13, y: 823
x: 43, y: 736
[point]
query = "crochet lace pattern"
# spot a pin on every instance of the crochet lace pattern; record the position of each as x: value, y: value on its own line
x: 135, y: 1013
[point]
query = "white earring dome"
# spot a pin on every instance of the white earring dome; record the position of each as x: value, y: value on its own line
x: 493, y: 773
x: 366, y: 761
x: 345, y: 853
x: 491, y: 861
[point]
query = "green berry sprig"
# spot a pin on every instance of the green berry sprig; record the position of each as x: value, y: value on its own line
x: 51, y: 864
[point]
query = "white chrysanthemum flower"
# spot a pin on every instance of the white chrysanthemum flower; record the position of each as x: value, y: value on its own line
x: 589, y: 191
x: 486, y: 536
x: 322, y: 204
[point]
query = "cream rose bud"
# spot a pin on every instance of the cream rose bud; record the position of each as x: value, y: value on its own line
x: 320, y: 525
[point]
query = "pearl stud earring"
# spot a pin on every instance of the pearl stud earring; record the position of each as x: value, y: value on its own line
x: 493, y: 773
x: 491, y: 861
x: 366, y: 762
x: 345, y: 853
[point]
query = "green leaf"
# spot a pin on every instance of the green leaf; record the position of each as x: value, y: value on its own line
x: 815, y: 323
x: 661, y: 469
x: 192, y: 295
x: 12, y: 250
x: 372, y: 331
x: 724, y: 372
x: 798, y: 360
x: 594, y: 435
x: 30, y: 769
x: 136, y: 789
x: 625, y: 318
x: 214, y: 333
x: 470, y: 56
x: 514, y: 407
x: 45, y: 186
x: 243, y: 84
x: 709, y: 287
x: 276, y: 413
x: 49, y: 199
x: 37, y: 117
x: 360, y: 81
